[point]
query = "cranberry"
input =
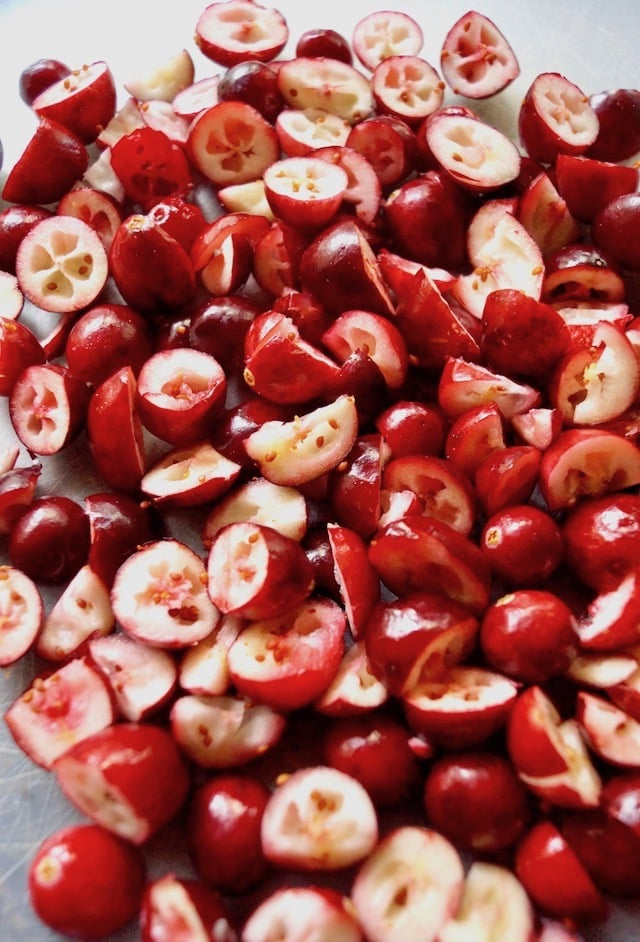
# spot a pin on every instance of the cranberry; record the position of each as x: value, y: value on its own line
x: 418, y: 212
x: 38, y: 76
x: 608, y: 850
x: 523, y: 544
x: 85, y: 882
x: 182, y: 220
x: 412, y: 427
x: 254, y: 83
x: 616, y: 230
x: 219, y: 326
x: 618, y: 112
x: 318, y: 549
x: 150, y: 166
x: 223, y: 831
x: 106, y: 338
x: 15, y: 223
x: 529, y: 634
x: 602, y: 538
x: 366, y: 747
x: 554, y: 876
x: 324, y: 42
x: 476, y: 800
x: 50, y: 541
x: 239, y: 421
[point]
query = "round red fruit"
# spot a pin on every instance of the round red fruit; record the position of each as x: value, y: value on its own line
x: 523, y: 544
x: 475, y: 798
x: 85, y: 882
x: 365, y: 747
x: 529, y: 634
x: 223, y: 831
x: 50, y: 541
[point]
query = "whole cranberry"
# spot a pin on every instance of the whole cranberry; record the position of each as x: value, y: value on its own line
x: 40, y: 75
x: 106, y: 338
x: 618, y: 112
x: 219, y: 326
x: 529, y: 634
x: 523, y: 544
x: 254, y: 83
x: 324, y: 43
x: 417, y: 214
x: 411, y: 427
x: 615, y: 229
x: 223, y: 831
x: 85, y: 882
x: 50, y: 541
x: 366, y: 747
x: 608, y: 849
x: 602, y: 538
x: 118, y: 525
x: 476, y: 799
x: 15, y: 223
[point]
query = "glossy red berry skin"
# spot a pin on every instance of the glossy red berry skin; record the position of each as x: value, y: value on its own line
x: 523, y: 545
x: 223, y: 831
x: 51, y: 539
x: 366, y: 747
x: 39, y: 75
x: 85, y: 882
x: 529, y: 634
x: 476, y: 800
x: 324, y: 42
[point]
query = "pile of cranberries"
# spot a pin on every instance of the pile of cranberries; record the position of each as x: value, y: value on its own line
x: 354, y: 613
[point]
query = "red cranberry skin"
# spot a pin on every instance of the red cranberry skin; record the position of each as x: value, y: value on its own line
x: 239, y: 421
x: 15, y: 222
x: 476, y: 800
x: 219, y: 327
x: 118, y: 525
x: 522, y: 336
x: 306, y: 313
x: 85, y: 882
x: 50, y: 541
x: 106, y: 338
x: 19, y: 349
x: 321, y: 43
x: 602, y: 539
x: 413, y: 428
x: 522, y: 544
x: 40, y: 75
x: 607, y: 848
x: 223, y: 831
x: 529, y: 635
x: 621, y: 798
x: 254, y: 83
x: 367, y: 747
x: 317, y: 547
x: 615, y: 229
x: 554, y: 876
x: 618, y: 112
x: 420, y: 210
